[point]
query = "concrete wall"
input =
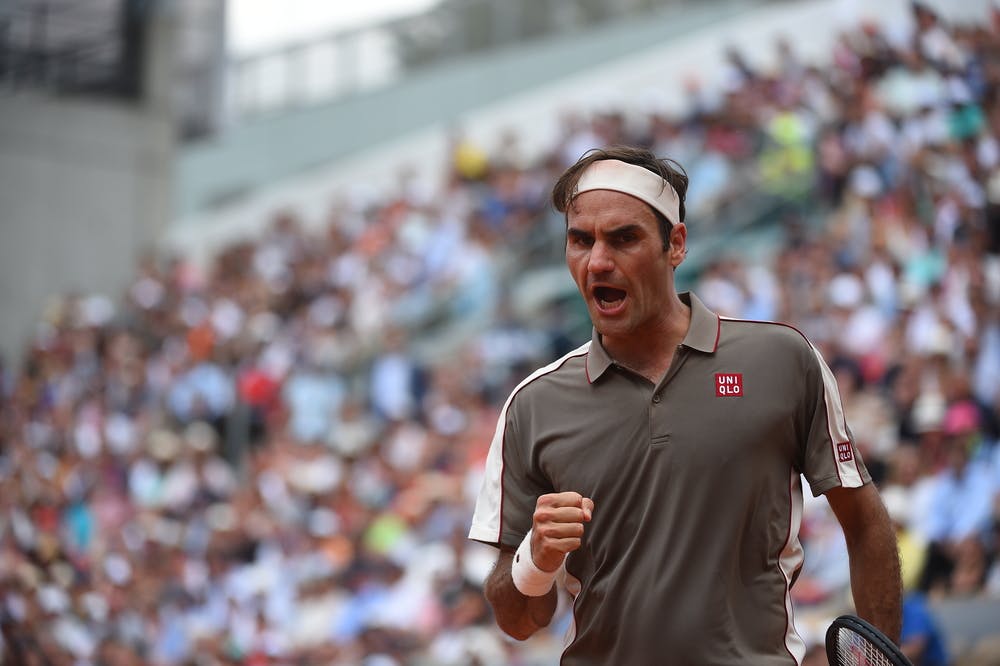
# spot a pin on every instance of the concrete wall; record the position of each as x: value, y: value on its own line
x: 84, y: 188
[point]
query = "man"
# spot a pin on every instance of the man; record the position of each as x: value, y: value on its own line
x: 656, y: 469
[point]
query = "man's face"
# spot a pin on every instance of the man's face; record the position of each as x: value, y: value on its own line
x: 615, y: 254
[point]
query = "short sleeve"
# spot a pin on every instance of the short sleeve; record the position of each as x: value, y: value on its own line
x: 830, y: 455
x: 510, y: 488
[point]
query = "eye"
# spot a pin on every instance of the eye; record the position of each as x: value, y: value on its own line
x: 625, y: 237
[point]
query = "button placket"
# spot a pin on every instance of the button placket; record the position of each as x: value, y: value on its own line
x: 659, y: 429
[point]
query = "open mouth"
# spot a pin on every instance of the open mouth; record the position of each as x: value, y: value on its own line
x: 609, y: 298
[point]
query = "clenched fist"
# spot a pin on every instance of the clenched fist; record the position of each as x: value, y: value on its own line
x: 557, y: 527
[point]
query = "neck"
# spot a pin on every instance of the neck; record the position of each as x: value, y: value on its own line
x: 649, y: 351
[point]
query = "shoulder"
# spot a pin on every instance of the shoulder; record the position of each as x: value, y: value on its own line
x: 567, y: 370
x: 781, y: 351
x: 765, y: 334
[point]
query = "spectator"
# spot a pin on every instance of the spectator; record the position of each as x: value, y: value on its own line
x: 136, y: 525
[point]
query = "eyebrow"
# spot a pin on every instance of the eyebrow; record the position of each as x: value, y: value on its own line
x: 616, y: 231
x: 625, y: 229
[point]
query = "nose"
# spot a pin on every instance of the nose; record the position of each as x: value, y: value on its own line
x: 600, y: 260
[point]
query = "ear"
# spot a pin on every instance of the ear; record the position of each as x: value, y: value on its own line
x: 678, y: 244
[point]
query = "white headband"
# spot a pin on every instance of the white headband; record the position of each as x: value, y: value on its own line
x: 634, y: 180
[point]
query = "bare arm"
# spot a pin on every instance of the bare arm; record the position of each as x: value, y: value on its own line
x: 557, y: 529
x: 518, y: 615
x: 871, y: 546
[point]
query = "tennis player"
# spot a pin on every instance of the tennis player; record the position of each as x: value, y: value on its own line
x: 656, y: 470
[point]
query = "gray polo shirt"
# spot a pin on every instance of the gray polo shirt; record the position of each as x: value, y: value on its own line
x: 696, y: 484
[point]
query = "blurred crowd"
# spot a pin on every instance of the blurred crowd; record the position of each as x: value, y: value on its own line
x: 272, y: 459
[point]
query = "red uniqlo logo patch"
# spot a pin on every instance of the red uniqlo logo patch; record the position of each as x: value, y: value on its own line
x: 729, y: 384
x: 844, y: 452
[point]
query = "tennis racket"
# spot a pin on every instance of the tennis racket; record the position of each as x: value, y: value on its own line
x: 850, y: 641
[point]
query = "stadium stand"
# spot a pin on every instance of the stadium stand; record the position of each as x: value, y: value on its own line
x: 272, y: 458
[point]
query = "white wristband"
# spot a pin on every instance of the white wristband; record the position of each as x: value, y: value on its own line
x: 528, y: 578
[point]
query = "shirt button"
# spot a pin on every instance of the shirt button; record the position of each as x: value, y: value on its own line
x: 656, y: 397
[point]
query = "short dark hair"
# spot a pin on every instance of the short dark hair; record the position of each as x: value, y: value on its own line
x: 666, y: 168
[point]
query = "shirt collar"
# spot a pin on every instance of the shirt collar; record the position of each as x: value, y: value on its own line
x: 702, y: 335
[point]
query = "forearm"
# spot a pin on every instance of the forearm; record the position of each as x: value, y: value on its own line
x: 871, y: 546
x: 875, y: 577
x: 518, y: 615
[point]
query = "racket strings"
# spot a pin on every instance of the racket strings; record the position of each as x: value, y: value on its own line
x: 854, y: 650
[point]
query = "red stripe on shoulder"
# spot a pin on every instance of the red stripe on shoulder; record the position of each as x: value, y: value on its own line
x: 761, y: 321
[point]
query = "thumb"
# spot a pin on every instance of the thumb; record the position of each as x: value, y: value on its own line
x: 588, y: 507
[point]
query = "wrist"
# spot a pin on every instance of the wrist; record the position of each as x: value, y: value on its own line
x: 528, y: 578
